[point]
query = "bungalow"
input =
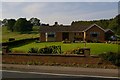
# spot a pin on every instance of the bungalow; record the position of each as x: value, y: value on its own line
x: 69, y: 32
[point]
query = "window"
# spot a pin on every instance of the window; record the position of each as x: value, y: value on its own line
x: 94, y: 34
x: 51, y: 34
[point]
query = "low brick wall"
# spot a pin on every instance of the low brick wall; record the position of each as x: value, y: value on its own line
x: 61, y: 59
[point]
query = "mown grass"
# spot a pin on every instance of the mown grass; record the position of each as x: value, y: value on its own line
x: 96, y: 48
x: 6, y: 34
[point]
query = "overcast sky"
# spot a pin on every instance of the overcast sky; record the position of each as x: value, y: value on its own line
x: 62, y: 12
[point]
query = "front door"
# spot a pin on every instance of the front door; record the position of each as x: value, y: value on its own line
x: 65, y: 36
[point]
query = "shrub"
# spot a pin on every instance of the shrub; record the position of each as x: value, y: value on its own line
x: 74, y: 51
x: 50, y: 50
x: 33, y: 50
x: 37, y: 41
x: 46, y: 50
x: 11, y: 39
x: 112, y: 57
x: 66, y: 41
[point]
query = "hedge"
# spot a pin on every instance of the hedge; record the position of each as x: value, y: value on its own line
x: 112, y: 57
x: 18, y: 42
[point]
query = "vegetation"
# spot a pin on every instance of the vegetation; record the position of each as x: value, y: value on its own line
x: 46, y: 50
x: 10, y: 24
x: 6, y: 34
x: 4, y: 22
x: 19, y: 42
x: 112, y: 24
x: 96, y: 48
x: 113, y: 57
x: 35, y: 21
x: 76, y: 51
x: 22, y: 25
x: 33, y: 50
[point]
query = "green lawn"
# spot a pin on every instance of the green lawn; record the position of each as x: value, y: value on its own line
x: 7, y: 34
x: 96, y: 48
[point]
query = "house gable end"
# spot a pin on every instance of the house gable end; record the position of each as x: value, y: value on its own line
x: 109, y: 30
x: 93, y: 26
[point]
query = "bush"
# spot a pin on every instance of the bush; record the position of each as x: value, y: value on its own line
x: 37, y: 41
x: 47, y: 50
x: 66, y: 41
x: 112, y: 57
x: 11, y: 39
x: 74, y: 51
x: 33, y: 50
x: 91, y: 41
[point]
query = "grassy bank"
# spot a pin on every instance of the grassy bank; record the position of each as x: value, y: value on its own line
x: 8, y: 34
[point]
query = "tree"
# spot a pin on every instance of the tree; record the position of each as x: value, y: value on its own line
x: 22, y: 25
x: 114, y: 25
x: 0, y: 23
x: 4, y: 22
x: 35, y: 21
x: 10, y: 24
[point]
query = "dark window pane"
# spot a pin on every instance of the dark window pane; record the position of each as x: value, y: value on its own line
x: 94, y: 35
x: 51, y: 35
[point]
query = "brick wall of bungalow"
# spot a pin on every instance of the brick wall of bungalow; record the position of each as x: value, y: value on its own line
x: 58, y: 36
x: 101, y: 36
x: 71, y: 36
x: 42, y: 37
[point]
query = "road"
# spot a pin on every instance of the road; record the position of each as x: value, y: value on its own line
x: 26, y: 74
x: 37, y: 71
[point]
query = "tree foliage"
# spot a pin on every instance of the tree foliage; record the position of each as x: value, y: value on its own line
x: 113, y: 24
x: 10, y: 24
x: 4, y: 22
x: 0, y: 23
x: 22, y: 25
x: 35, y: 21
